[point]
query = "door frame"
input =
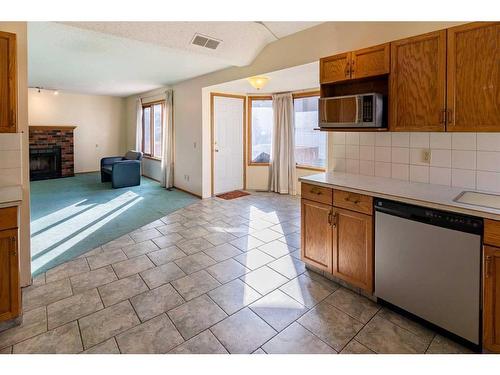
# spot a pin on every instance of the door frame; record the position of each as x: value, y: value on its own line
x: 212, y: 133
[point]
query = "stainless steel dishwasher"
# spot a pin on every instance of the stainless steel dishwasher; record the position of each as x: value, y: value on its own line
x: 428, y: 263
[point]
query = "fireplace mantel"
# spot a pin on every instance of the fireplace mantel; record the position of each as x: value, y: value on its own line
x: 52, y: 127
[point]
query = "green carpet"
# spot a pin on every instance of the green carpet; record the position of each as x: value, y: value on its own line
x: 70, y: 216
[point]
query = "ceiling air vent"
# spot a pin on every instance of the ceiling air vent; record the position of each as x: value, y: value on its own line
x: 205, y: 41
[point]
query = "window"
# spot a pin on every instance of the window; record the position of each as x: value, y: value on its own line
x: 152, y: 128
x: 261, y: 128
x: 310, y: 144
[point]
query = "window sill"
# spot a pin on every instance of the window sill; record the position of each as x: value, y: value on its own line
x: 309, y: 168
x: 151, y: 158
x: 259, y: 164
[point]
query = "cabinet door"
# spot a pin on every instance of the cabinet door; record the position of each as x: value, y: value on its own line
x: 316, y: 234
x: 369, y: 62
x: 417, y: 83
x: 353, y: 248
x: 9, y: 275
x: 491, y: 298
x: 335, y: 68
x: 473, y: 86
x: 8, y: 83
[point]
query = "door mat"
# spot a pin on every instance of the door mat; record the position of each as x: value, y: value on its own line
x: 232, y: 195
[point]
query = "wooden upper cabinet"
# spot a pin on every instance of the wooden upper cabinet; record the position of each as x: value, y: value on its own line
x: 417, y: 89
x: 473, y: 86
x: 316, y: 234
x: 335, y: 68
x: 372, y: 61
x: 353, y: 248
x: 9, y: 275
x: 491, y: 298
x: 8, y: 83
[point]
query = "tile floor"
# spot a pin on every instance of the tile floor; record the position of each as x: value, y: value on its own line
x: 214, y: 277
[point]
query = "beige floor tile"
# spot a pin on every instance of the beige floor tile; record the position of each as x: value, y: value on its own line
x: 65, y: 339
x: 38, y: 279
x: 277, y: 249
x: 140, y: 248
x: 267, y: 235
x: 97, y: 250
x: 355, y: 347
x: 195, y: 262
x: 218, y: 238
x: 118, y: 243
x: 195, y: 316
x: 163, y: 274
x: 288, y: 266
x: 227, y: 270
x: 34, y: 323
x: 234, y: 295
x: 295, y: 339
x: 36, y: 296
x: 92, y: 279
x: 254, y: 259
x: 172, y: 227
x: 333, y: 326
x: 382, y: 336
x: 292, y: 240
x: 194, y: 245
x: 132, y: 266
x: 195, y: 284
x: 286, y: 227
x: 107, y: 347
x: 259, y: 224
x: 72, y: 308
x: 166, y: 255
x: 203, y: 343
x: 106, y: 258
x: 222, y: 252
x: 246, y: 243
x: 423, y: 332
x: 167, y: 240
x: 194, y: 232
x: 156, y: 301
x: 156, y: 336
x: 145, y: 235
x: 443, y: 345
x: 122, y: 289
x: 307, y: 291
x: 264, y: 280
x: 103, y: 324
x: 243, y: 332
x: 67, y: 269
x: 353, y: 304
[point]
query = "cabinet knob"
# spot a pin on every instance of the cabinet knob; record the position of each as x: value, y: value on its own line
x: 487, y: 272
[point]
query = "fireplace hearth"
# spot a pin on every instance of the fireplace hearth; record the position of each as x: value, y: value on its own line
x: 45, y: 163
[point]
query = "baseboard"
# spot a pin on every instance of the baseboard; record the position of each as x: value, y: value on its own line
x: 188, y: 192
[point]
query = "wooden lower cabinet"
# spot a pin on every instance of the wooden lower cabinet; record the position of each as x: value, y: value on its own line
x: 491, y: 298
x: 10, y: 292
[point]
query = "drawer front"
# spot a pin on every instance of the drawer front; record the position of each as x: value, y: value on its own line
x: 353, y: 201
x: 492, y: 232
x: 8, y: 218
x: 317, y: 193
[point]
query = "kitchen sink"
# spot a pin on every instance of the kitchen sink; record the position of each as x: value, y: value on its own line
x: 479, y: 199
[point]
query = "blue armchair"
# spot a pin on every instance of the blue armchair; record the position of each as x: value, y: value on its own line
x: 122, y: 171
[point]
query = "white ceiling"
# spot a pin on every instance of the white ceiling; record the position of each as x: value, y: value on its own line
x: 124, y: 58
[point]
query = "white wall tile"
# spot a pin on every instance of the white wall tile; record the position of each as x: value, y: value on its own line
x: 463, y: 141
x: 338, y: 151
x: 400, y: 139
x: 338, y: 138
x: 367, y: 139
x: 10, y: 159
x: 440, y: 140
x: 367, y: 167
x: 419, y: 173
x: 383, y: 154
x: 338, y: 165
x: 382, y: 169
x: 419, y: 140
x: 352, y: 152
x: 400, y: 171
x: 383, y: 139
x: 352, y: 166
x: 352, y: 138
x: 417, y: 156
x: 367, y: 152
x: 488, y: 141
x: 463, y: 159
x: 400, y: 155
x: 488, y: 161
x: 10, y: 141
x: 489, y: 181
x: 463, y: 178
x: 440, y: 176
x: 441, y: 158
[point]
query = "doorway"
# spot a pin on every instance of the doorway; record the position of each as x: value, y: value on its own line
x: 228, y: 133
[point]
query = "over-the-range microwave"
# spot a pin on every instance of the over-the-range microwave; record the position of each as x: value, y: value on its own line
x: 352, y: 111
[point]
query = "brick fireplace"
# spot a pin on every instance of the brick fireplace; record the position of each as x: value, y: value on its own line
x: 51, y: 152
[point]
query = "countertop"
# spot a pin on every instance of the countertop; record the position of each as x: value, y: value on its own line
x: 427, y: 195
x: 11, y: 195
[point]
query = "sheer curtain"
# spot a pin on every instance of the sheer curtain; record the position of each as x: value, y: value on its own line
x: 167, y: 169
x: 282, y: 171
x: 138, y: 126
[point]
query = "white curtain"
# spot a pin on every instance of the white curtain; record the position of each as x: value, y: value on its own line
x: 138, y: 126
x: 167, y: 169
x: 282, y: 172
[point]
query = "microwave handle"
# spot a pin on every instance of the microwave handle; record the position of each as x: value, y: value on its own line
x: 358, y: 106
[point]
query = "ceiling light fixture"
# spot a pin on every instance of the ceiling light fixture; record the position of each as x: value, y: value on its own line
x: 258, y: 82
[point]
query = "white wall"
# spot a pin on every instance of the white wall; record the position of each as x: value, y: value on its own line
x: 100, y: 123
x: 192, y: 146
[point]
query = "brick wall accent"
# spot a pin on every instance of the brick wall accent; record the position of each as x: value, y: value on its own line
x: 43, y: 138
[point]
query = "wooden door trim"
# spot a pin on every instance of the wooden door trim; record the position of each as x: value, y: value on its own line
x: 12, y: 82
x: 15, y: 289
x: 212, y: 137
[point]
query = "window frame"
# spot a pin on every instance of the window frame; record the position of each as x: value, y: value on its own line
x: 301, y: 95
x: 250, y: 99
x: 151, y: 128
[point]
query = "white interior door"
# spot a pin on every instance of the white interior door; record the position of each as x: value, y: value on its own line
x: 228, y: 143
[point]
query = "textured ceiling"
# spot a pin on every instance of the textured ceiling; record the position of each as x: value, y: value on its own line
x: 124, y: 58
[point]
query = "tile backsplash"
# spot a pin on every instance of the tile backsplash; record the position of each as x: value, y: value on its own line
x: 10, y: 159
x: 468, y: 160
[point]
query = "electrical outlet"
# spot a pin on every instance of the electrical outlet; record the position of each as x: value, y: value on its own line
x: 186, y: 177
x: 426, y: 156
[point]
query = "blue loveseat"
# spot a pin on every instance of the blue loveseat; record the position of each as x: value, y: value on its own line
x: 122, y: 171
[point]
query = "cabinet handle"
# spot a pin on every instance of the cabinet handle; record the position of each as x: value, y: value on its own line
x: 487, y: 267
x: 353, y: 63
x: 334, y: 221
x: 347, y: 70
x: 330, y: 216
x: 13, y: 246
x: 348, y: 199
x: 442, y: 116
x: 315, y: 191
